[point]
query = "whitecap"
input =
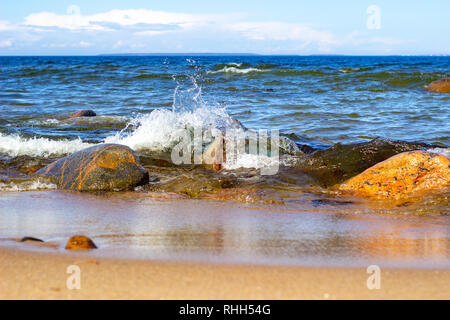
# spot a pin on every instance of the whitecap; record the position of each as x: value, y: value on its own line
x: 15, y: 145
x: 441, y: 151
x: 237, y: 70
x: 30, y: 185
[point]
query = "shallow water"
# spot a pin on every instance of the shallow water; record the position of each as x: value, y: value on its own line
x: 315, y: 232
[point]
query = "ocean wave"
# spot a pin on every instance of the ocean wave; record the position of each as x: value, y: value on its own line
x: 236, y: 70
x: 349, y: 70
x: 442, y: 151
x: 300, y: 73
x: 256, y: 161
x: 162, y: 129
x: 15, y: 145
x: 29, y: 185
x: 94, y: 121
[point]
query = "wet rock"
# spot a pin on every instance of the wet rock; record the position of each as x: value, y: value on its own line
x: 341, y: 162
x: 401, y: 176
x: 106, y: 167
x: 84, y: 113
x: 215, y: 156
x: 80, y: 243
x: 440, y: 86
x: 26, y: 239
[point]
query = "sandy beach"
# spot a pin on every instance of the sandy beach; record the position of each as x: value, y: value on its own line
x: 35, y: 275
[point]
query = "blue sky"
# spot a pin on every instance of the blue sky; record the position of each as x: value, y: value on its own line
x: 51, y: 27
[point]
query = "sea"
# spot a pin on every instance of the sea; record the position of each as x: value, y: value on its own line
x: 144, y: 102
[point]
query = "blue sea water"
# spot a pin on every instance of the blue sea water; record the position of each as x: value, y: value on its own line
x: 332, y: 98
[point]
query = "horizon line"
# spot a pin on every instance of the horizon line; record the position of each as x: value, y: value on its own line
x: 162, y: 54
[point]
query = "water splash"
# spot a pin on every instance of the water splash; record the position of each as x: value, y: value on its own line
x: 162, y: 129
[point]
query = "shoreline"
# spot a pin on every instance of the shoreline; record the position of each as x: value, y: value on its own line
x: 38, y: 275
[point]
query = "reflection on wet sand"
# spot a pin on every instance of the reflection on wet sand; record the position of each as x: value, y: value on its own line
x: 133, y: 225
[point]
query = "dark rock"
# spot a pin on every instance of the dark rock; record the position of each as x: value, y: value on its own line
x: 80, y: 243
x: 341, y: 162
x: 84, y: 113
x: 106, y: 167
x: 25, y: 239
x: 440, y: 86
x: 326, y: 202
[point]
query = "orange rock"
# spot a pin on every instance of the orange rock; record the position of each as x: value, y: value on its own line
x: 214, y: 156
x: 441, y: 86
x: 80, y: 243
x: 401, y: 176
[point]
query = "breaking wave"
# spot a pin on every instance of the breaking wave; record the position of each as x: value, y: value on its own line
x: 162, y: 129
x: 29, y: 185
x: 15, y: 145
x: 236, y: 70
x: 157, y: 132
x: 441, y: 151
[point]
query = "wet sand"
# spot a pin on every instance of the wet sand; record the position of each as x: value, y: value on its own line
x: 174, y: 248
x: 33, y: 275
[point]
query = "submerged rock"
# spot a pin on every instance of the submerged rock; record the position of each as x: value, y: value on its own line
x: 441, y: 86
x: 84, y: 113
x: 25, y: 239
x: 403, y: 175
x: 106, y: 167
x: 80, y: 243
x: 341, y: 162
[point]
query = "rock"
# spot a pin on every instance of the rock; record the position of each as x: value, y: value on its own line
x: 105, y: 167
x: 25, y: 239
x: 441, y: 86
x: 341, y: 162
x: 401, y: 176
x: 80, y: 243
x: 84, y: 113
x: 215, y: 156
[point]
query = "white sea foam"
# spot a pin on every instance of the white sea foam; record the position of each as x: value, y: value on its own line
x: 349, y: 70
x: 441, y: 151
x: 30, y: 185
x: 15, y: 145
x: 162, y: 129
x: 78, y: 120
x: 246, y: 160
x: 237, y: 70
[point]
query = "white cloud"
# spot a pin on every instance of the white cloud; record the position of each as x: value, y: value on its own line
x: 6, y: 44
x: 146, y: 30
x: 118, y: 44
x: 361, y: 38
x: 82, y: 44
x: 282, y: 31
x: 109, y: 21
x: 5, y: 26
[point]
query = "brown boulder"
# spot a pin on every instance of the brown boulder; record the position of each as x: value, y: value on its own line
x: 84, y: 113
x: 80, y: 243
x: 440, y: 86
x: 105, y: 167
x: 341, y: 162
x: 402, y: 176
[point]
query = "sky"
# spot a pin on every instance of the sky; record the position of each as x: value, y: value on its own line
x: 352, y: 27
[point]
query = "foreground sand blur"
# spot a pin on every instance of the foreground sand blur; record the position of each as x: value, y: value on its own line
x: 36, y: 275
